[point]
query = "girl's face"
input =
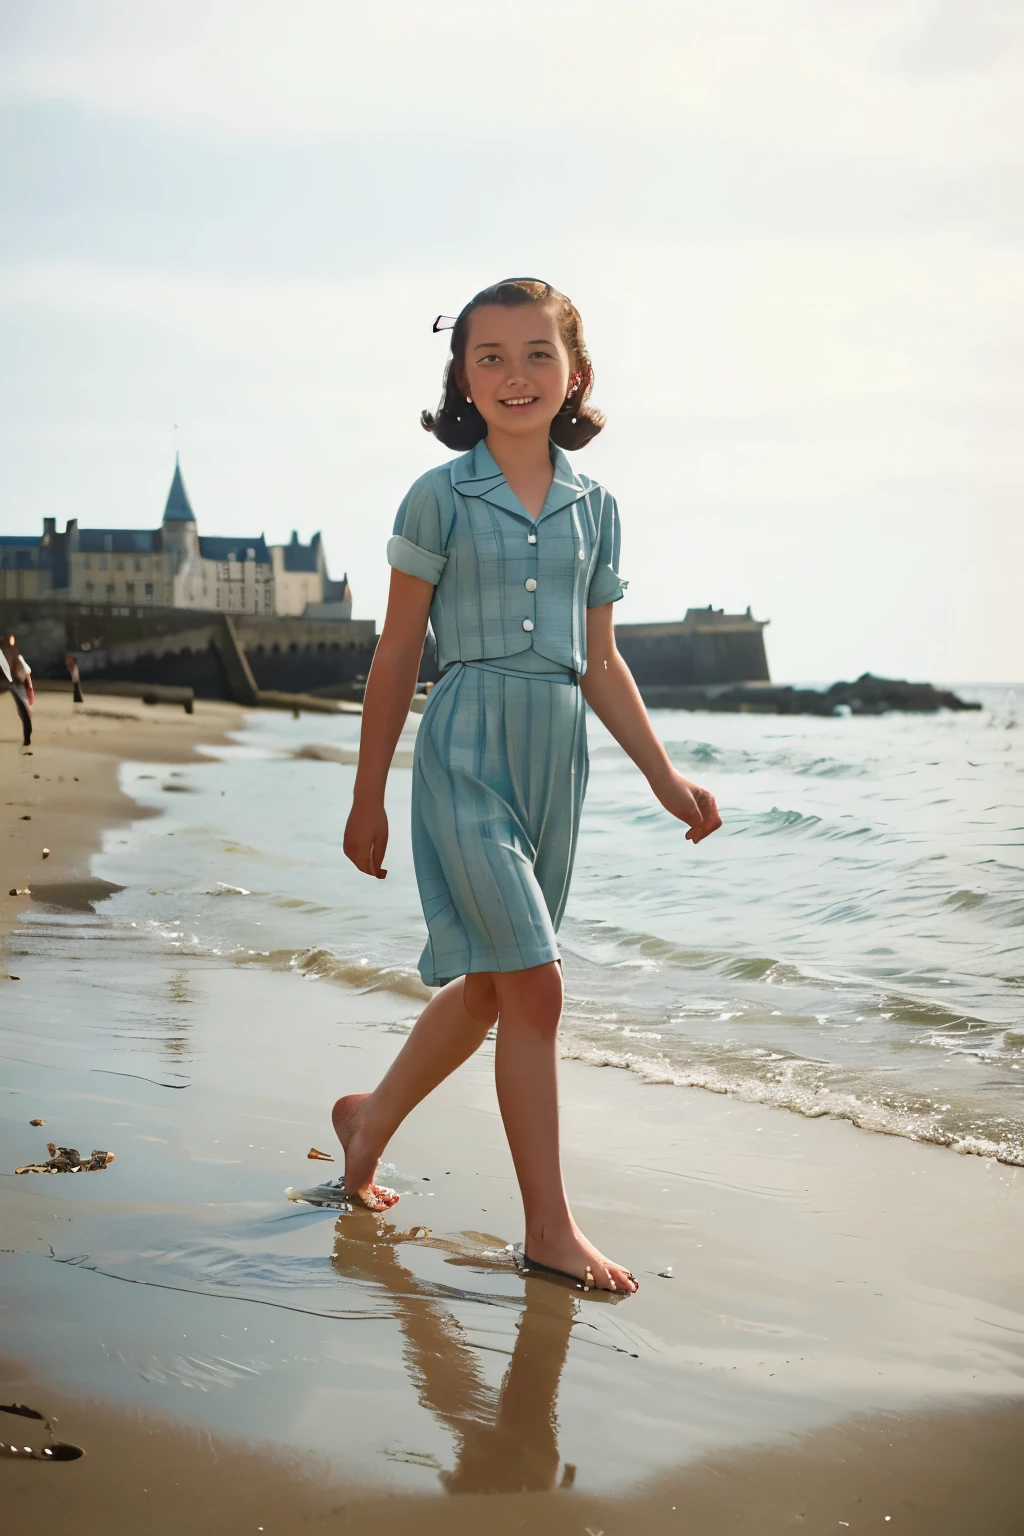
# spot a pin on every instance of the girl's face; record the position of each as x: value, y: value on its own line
x: 516, y: 368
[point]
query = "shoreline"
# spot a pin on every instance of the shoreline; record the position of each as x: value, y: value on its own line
x: 839, y: 1339
x: 63, y: 793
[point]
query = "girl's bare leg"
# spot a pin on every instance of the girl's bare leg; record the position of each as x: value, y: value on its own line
x: 526, y: 1074
x: 451, y: 1027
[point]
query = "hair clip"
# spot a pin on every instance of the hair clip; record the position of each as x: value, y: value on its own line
x: 444, y: 323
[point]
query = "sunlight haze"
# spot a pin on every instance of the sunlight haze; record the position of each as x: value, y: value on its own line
x: 793, y: 231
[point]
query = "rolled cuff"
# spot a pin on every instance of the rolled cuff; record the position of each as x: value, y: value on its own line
x: 607, y: 586
x: 414, y: 560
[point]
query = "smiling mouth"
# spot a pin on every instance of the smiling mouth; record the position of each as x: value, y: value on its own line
x: 518, y: 404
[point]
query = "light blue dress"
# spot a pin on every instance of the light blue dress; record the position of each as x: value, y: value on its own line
x: 500, y: 767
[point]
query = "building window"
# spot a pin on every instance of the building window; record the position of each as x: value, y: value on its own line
x: 103, y: 563
x: 138, y: 565
x: 110, y: 591
x: 149, y: 591
x: 129, y: 591
x: 88, y: 588
x: 88, y: 563
x: 119, y: 566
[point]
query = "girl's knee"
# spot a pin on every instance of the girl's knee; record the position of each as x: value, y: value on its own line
x: 533, y: 996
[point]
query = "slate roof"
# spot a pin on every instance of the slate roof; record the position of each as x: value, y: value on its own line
x: 302, y: 557
x: 178, y: 508
x: 21, y: 552
x: 213, y: 548
x: 119, y: 541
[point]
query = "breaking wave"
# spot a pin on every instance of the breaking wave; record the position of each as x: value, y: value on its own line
x: 655, y: 1049
x: 360, y: 975
x: 848, y: 947
x: 797, y: 1085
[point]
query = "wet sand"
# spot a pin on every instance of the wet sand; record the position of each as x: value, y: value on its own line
x: 944, y: 1474
x: 830, y: 1326
x: 63, y: 791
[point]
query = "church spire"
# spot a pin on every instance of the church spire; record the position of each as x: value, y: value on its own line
x: 178, y: 508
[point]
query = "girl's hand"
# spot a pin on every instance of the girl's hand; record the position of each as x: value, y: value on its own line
x: 690, y: 803
x: 366, y: 839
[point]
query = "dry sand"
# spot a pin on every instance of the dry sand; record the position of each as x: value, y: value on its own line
x: 841, y: 1339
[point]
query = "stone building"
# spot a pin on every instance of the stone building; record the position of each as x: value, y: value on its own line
x: 707, y: 646
x: 173, y: 566
x: 302, y: 586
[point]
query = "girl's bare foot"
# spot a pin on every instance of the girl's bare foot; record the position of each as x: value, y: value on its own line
x: 360, y: 1158
x: 570, y: 1252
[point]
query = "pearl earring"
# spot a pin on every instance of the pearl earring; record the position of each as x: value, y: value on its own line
x: 469, y: 399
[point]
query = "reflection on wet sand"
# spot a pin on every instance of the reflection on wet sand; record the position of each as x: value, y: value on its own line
x: 506, y: 1441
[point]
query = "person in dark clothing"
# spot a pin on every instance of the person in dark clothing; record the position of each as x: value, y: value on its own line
x: 16, y: 679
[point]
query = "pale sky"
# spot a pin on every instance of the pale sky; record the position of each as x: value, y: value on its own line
x: 794, y: 231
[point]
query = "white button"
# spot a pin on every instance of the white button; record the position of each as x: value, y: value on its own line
x: 582, y: 555
x: 527, y: 624
x: 531, y: 538
x: 531, y: 585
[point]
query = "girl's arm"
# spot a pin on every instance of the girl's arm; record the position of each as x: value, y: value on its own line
x: 389, y: 690
x: 609, y: 689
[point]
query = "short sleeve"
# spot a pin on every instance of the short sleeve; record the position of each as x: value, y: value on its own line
x: 417, y: 544
x: 606, y: 585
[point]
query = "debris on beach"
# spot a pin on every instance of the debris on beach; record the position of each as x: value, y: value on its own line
x: 46, y: 853
x: 56, y: 1450
x: 37, y: 1122
x: 331, y: 1196
x: 19, y: 891
x: 323, y: 1157
x: 69, y: 1160
x: 666, y: 1273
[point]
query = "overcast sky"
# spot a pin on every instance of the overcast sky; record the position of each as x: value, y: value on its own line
x: 794, y: 231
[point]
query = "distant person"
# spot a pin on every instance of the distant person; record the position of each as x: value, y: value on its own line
x: 17, y: 681
x: 71, y: 663
x: 514, y: 559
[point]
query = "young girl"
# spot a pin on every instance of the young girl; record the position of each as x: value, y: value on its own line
x: 513, y: 557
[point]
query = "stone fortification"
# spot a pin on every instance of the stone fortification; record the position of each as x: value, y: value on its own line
x: 707, y: 646
x: 192, y: 649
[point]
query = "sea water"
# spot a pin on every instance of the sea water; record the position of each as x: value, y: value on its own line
x: 850, y: 943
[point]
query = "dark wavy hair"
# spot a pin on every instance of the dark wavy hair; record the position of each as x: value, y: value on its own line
x: 458, y: 424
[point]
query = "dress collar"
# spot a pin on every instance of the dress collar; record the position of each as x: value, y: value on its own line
x: 476, y: 473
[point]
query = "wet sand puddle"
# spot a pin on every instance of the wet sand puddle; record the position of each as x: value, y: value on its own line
x: 182, y: 1281
x: 212, y: 1296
